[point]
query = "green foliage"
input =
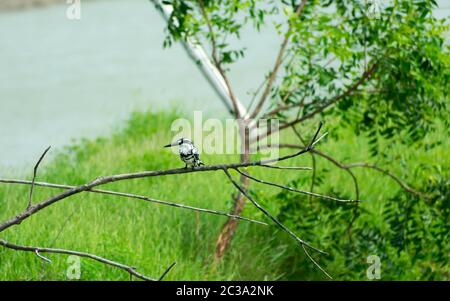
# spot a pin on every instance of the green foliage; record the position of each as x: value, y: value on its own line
x: 411, y: 237
x: 226, y: 18
x: 332, y: 44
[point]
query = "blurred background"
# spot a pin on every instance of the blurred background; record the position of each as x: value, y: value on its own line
x: 63, y: 79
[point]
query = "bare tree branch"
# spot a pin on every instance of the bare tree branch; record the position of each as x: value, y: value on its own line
x: 42, y: 257
x: 37, y: 250
x: 277, y: 65
x: 217, y: 62
x: 348, y: 92
x: 313, y: 152
x: 309, y: 147
x: 296, y: 190
x: 396, y: 178
x: 313, y: 177
x: 366, y: 75
x: 268, y: 214
x: 286, y: 167
x: 355, y: 180
x: 315, y: 263
x: 134, y: 196
x: 341, y: 166
x: 167, y: 271
x: 275, y: 220
x: 203, y: 62
x: 284, y: 107
x: 30, y: 200
x: 313, y: 159
x: 279, y: 109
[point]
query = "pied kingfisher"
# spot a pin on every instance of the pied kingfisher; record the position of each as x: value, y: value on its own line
x: 188, y: 152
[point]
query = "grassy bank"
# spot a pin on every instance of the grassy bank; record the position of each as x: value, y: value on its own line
x: 150, y: 236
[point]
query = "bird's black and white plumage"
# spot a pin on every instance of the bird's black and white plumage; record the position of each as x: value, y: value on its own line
x: 188, y: 152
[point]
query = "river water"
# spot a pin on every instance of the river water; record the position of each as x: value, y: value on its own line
x: 61, y: 80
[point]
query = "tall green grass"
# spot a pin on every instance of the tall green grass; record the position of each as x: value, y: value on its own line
x: 151, y: 236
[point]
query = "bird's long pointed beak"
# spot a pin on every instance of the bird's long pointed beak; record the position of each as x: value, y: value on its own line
x: 168, y: 145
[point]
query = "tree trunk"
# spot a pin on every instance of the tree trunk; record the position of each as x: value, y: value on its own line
x: 229, y: 228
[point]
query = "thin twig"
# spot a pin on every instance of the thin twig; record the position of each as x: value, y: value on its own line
x: 275, y: 220
x: 282, y: 106
x: 336, y: 99
x: 314, y: 175
x: 341, y: 166
x: 402, y: 184
x: 355, y: 180
x: 42, y: 257
x: 58, y: 234
x: 277, y: 65
x: 266, y: 78
x: 30, y: 200
x: 318, y: 139
x: 218, y: 63
x: 37, y: 250
x: 313, y: 159
x: 167, y: 271
x: 278, y: 223
x: 396, y: 178
x: 296, y: 190
x: 315, y: 262
x: 349, y: 91
x: 286, y: 167
x: 279, y: 109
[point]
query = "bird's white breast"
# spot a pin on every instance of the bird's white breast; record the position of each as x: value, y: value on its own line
x: 186, y: 149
